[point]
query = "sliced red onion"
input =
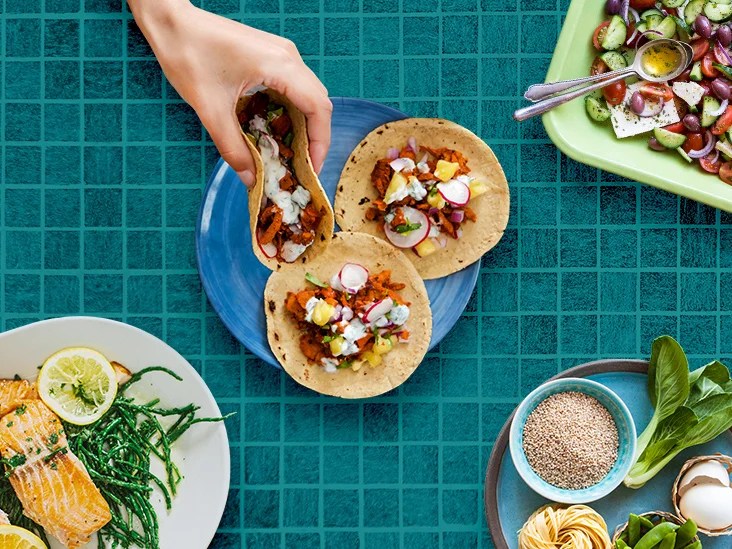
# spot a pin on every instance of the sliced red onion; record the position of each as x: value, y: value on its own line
x: 392, y: 153
x: 441, y: 241
x: 412, y: 144
x: 652, y: 108
x: 457, y: 216
x: 378, y: 309
x: 410, y: 238
x: 433, y: 211
x: 402, y: 164
x: 624, y: 7
x: 346, y: 314
x: 459, y: 233
x: 336, y: 316
x: 708, y: 147
x: 632, y: 11
x: 353, y: 277
x: 455, y: 192
x: 721, y: 54
x: 722, y: 107
x: 714, y: 158
x: 629, y: 41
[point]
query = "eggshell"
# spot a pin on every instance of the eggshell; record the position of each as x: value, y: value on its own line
x: 711, y: 468
x: 709, y: 505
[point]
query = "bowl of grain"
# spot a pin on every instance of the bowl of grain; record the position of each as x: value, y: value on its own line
x: 572, y: 440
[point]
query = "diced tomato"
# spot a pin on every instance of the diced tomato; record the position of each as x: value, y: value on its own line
x: 700, y: 47
x: 684, y: 76
x: 598, y: 67
x: 723, y: 123
x: 681, y: 107
x: 725, y: 172
x: 694, y: 142
x: 672, y: 11
x: 614, y: 93
x: 710, y: 163
x: 599, y: 35
x: 642, y: 4
x: 707, y: 87
x: 656, y: 89
x: 677, y: 127
x: 707, y: 65
x: 719, y: 55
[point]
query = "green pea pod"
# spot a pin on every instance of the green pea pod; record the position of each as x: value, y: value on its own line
x: 696, y: 545
x: 668, y: 541
x: 646, y: 523
x: 620, y: 544
x: 685, y: 534
x: 634, y: 532
x: 654, y: 536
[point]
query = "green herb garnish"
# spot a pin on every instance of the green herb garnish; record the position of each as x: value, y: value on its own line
x: 328, y: 338
x: 20, y: 410
x: 287, y: 140
x: 315, y: 280
x: 726, y: 70
x: 345, y: 364
x: 407, y: 227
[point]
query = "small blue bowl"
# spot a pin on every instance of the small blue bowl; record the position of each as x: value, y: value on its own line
x: 626, y: 440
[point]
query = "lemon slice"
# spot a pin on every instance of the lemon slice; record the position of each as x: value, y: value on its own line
x: 79, y: 384
x: 14, y: 537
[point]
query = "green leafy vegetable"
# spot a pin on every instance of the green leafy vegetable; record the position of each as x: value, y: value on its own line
x: 406, y: 227
x: 690, y: 408
x: 315, y: 280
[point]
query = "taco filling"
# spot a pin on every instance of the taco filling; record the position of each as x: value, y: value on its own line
x: 424, y: 195
x: 288, y: 220
x: 355, y: 318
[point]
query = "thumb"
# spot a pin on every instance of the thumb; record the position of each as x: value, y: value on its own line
x: 226, y: 134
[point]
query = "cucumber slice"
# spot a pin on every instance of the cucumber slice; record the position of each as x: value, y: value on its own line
x: 668, y: 139
x: 614, y: 60
x: 717, y: 12
x: 653, y: 20
x: 683, y: 154
x: 673, y: 3
x: 696, y: 73
x: 597, y: 108
x: 653, y: 11
x: 667, y: 28
x: 692, y: 10
x: 629, y: 55
x: 684, y: 30
x: 709, y: 106
x: 615, y: 34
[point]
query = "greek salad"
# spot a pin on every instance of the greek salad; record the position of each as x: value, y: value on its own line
x: 690, y: 114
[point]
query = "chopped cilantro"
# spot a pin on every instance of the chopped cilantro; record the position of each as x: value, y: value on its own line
x: 328, y: 338
x: 345, y: 364
x: 315, y: 280
x: 287, y: 140
x: 407, y: 227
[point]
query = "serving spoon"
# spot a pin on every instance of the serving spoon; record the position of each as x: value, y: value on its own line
x: 656, y: 61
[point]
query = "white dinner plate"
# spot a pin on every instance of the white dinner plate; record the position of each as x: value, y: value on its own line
x: 202, y: 454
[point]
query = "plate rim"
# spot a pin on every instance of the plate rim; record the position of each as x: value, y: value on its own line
x: 490, y: 496
x: 220, y: 506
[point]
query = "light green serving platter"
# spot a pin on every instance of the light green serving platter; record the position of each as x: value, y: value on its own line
x: 595, y: 144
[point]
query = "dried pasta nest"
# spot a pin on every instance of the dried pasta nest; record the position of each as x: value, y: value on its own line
x: 655, y: 517
x: 724, y: 460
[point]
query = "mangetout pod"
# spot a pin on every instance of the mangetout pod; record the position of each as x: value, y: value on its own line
x: 356, y: 192
x: 283, y: 333
x: 303, y: 173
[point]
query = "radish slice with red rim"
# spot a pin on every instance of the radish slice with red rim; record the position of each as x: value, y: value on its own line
x: 455, y: 192
x: 411, y: 238
x: 268, y: 249
x: 378, y: 309
x: 353, y: 277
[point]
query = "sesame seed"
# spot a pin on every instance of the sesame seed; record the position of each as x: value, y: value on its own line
x: 571, y: 440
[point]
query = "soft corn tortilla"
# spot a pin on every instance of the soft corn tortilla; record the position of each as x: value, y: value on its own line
x: 284, y: 335
x: 355, y: 191
x: 304, y: 173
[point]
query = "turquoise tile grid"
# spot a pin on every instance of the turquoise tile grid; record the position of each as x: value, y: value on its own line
x: 102, y: 171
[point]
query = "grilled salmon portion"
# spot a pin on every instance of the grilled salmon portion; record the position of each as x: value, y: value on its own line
x: 12, y: 391
x: 52, y: 484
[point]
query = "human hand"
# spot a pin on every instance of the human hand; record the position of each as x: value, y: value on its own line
x: 211, y: 61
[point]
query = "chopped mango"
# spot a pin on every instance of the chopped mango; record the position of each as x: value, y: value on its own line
x: 425, y: 248
x: 397, y: 186
x: 372, y: 358
x: 436, y: 201
x: 322, y: 313
x: 356, y: 366
x: 336, y: 345
x: 382, y: 345
x: 445, y: 170
x: 477, y: 188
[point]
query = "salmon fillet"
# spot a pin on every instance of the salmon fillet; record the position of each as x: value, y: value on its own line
x: 12, y: 391
x: 4, y: 517
x: 52, y: 484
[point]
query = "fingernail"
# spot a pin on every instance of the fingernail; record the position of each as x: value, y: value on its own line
x: 247, y: 177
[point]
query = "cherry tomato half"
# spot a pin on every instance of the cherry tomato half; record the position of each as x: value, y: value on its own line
x: 599, y: 35
x: 707, y: 66
x: 598, y: 67
x: 710, y: 164
x: 723, y: 123
x: 719, y: 55
x: 642, y: 4
x: 700, y: 47
x: 677, y: 127
x: 614, y: 93
x: 725, y: 172
x: 656, y: 89
x: 684, y: 76
x: 694, y: 142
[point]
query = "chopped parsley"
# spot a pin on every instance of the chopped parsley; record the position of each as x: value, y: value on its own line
x: 20, y: 410
x: 407, y: 227
x: 9, y: 424
x: 61, y: 450
x: 53, y: 439
x: 54, y: 466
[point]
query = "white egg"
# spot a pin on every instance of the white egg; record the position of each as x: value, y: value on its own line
x: 711, y: 468
x: 709, y: 505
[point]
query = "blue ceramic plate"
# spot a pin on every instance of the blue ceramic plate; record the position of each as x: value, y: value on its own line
x: 509, y: 502
x: 233, y: 278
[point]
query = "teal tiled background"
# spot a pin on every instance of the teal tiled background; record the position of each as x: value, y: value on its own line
x: 102, y: 169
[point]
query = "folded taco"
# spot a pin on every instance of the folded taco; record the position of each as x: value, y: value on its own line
x: 353, y: 322
x: 429, y: 187
x: 289, y: 214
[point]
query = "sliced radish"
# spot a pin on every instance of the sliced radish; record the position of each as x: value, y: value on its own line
x: 402, y: 164
x: 411, y: 238
x: 378, y: 310
x: 335, y: 283
x: 268, y: 249
x: 353, y: 277
x: 455, y: 192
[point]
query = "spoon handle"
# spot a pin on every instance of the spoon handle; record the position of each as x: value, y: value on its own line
x: 537, y: 92
x: 541, y: 107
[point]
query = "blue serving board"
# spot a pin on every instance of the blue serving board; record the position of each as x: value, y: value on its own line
x: 516, y: 501
x: 234, y: 279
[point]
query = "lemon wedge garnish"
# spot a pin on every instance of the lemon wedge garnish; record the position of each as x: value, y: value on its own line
x: 78, y: 384
x: 15, y: 537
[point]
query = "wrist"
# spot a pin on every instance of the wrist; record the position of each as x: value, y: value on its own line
x: 151, y: 15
